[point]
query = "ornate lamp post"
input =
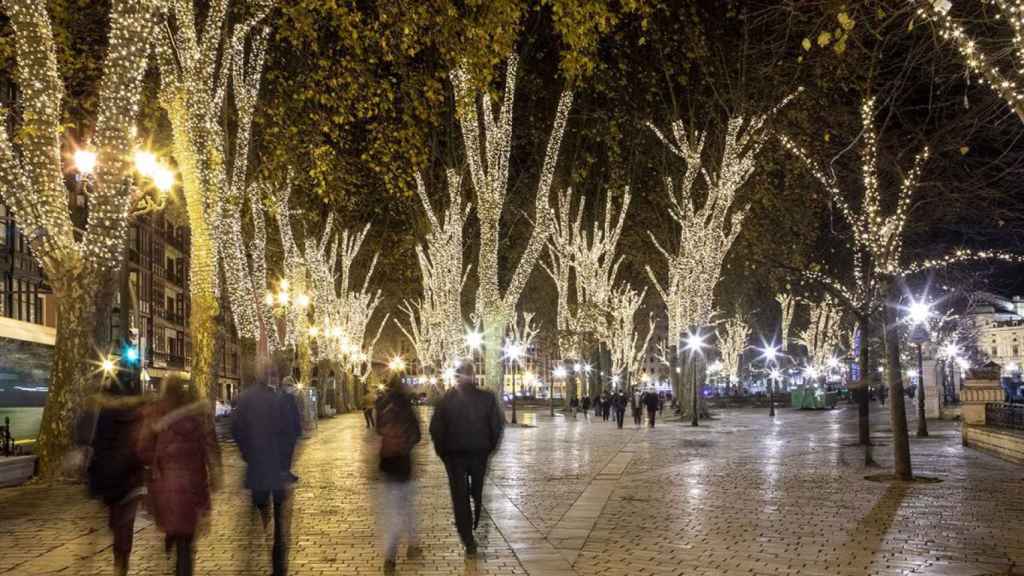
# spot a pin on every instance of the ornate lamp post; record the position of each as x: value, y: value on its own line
x: 513, y: 353
x: 694, y: 344
x: 770, y: 354
x: 918, y: 314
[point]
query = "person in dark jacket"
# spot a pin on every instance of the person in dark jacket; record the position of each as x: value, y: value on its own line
x: 651, y: 402
x: 399, y: 428
x: 619, y: 403
x: 585, y: 404
x: 266, y: 427
x: 116, y: 472
x: 574, y: 405
x: 636, y: 406
x: 180, y: 448
x: 466, y: 429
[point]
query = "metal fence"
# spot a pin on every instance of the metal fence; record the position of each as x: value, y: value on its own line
x: 1003, y: 415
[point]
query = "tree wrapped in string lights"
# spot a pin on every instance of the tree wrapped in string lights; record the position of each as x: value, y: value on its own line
x: 488, y: 143
x: 31, y: 174
x: 583, y: 268
x: 706, y: 231
x: 196, y: 58
x: 824, y: 332
x: 624, y: 344
x: 732, y: 336
x: 787, y: 306
x: 1004, y: 82
x: 435, y: 326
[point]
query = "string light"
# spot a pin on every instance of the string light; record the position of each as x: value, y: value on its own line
x: 1011, y: 12
x: 583, y: 267
x: 626, y: 349
x: 435, y: 321
x: 823, y: 334
x: 732, y: 337
x: 488, y: 145
x: 707, y: 233
x: 787, y: 304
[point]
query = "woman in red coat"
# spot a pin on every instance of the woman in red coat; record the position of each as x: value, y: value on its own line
x: 180, y: 448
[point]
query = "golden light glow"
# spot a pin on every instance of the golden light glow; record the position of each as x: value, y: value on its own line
x: 85, y: 161
x: 145, y: 163
x: 163, y: 178
x: 396, y: 364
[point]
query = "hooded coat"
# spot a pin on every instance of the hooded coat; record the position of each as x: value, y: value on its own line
x: 180, y: 447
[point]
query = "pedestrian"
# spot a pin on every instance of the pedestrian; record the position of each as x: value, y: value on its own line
x: 266, y: 427
x: 369, y: 400
x: 586, y: 407
x: 619, y: 403
x: 466, y: 429
x: 574, y: 405
x: 661, y: 404
x: 399, y: 428
x: 179, y: 446
x: 606, y: 406
x: 637, y: 407
x: 116, y: 473
x: 651, y: 402
x: 882, y: 391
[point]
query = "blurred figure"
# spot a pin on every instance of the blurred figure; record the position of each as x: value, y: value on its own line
x: 585, y: 404
x: 651, y: 402
x: 369, y: 400
x: 266, y: 426
x: 574, y: 405
x: 619, y: 403
x: 636, y: 406
x: 466, y: 429
x: 179, y: 446
x: 116, y: 473
x: 399, y: 428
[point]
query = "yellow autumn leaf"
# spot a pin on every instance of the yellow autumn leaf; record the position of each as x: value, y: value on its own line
x: 824, y: 39
x: 806, y: 44
x: 828, y: 137
x: 964, y: 150
x: 845, y: 21
x: 840, y: 46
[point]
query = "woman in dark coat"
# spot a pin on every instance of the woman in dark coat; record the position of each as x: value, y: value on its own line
x: 115, y: 472
x: 179, y: 445
x: 399, y: 428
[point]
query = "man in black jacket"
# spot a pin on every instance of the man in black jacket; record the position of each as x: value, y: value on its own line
x: 466, y: 429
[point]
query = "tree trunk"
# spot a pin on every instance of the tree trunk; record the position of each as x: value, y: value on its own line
x: 898, y: 414
x: 71, y: 373
x: 864, y: 398
x: 494, y: 330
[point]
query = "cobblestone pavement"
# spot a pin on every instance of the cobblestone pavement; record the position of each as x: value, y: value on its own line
x: 738, y: 495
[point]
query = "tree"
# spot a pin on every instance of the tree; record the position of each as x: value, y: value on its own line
x: 488, y: 145
x: 732, y: 336
x: 31, y: 173
x: 435, y: 326
x: 623, y: 340
x: 823, y: 334
x: 196, y: 57
x: 705, y: 233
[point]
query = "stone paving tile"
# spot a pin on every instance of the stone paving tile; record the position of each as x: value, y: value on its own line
x: 738, y: 495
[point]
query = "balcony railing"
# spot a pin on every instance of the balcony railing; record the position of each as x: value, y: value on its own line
x: 1003, y: 415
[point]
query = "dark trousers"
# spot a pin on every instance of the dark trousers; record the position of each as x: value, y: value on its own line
x: 605, y: 412
x: 620, y: 415
x: 638, y: 416
x: 121, y: 520
x: 368, y: 415
x: 261, y: 499
x: 183, y: 552
x: 651, y: 413
x: 466, y: 480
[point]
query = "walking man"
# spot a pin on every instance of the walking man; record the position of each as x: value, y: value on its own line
x: 466, y: 429
x: 651, y: 402
x: 636, y: 406
x: 266, y: 427
x: 619, y: 403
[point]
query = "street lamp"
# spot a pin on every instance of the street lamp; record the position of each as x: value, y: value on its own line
x: 85, y: 161
x: 769, y: 353
x: 513, y: 352
x: 559, y: 373
x: 918, y: 313
x: 694, y: 344
x: 396, y: 364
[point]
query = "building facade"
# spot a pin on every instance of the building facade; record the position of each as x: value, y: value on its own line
x: 1000, y: 331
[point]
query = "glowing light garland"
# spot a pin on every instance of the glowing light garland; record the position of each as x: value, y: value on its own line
x: 32, y: 185
x: 488, y: 143
x: 196, y: 65
x: 707, y: 233
x: 1005, y: 84
x: 824, y: 333
x: 626, y: 349
x: 587, y: 263
x: 787, y: 304
x: 435, y: 324
x: 732, y: 336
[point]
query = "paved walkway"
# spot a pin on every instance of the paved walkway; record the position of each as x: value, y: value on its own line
x: 742, y: 495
